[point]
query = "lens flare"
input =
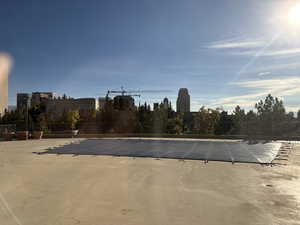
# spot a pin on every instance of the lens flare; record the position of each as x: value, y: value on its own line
x: 294, y: 15
x: 5, y: 66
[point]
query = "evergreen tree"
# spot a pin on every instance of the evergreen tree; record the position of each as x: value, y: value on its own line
x: 271, y: 114
x: 225, y: 124
x: 238, y: 120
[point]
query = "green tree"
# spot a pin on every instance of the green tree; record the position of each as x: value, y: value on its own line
x: 225, y: 124
x: 105, y: 118
x: 238, y: 120
x: 160, y: 120
x: 17, y: 117
x: 251, y: 125
x: 69, y: 119
x: 125, y: 121
x: 144, y: 119
x: 271, y: 115
x: 205, y: 121
x: 175, y: 125
x: 73, y: 118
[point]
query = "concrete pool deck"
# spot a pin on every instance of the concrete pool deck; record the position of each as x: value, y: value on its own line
x: 64, y: 189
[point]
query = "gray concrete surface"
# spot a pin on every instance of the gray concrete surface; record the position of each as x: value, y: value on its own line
x: 50, y: 189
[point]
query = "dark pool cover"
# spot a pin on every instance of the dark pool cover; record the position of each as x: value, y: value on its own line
x: 237, y: 151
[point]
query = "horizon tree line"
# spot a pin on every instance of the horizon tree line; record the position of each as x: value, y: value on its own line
x: 268, y: 118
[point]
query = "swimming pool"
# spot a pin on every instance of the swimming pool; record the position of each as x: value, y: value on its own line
x: 216, y: 150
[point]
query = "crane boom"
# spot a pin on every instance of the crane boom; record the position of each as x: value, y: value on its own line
x: 123, y: 92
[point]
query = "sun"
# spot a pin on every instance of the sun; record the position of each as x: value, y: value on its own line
x: 294, y: 15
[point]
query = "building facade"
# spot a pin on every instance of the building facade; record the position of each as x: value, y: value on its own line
x: 102, y: 102
x: 39, y: 97
x: 166, y: 103
x: 23, y: 101
x: 183, y: 101
x: 123, y: 102
x: 57, y: 106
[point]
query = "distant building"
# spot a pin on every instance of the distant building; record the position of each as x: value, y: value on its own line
x: 101, y: 102
x: 123, y: 102
x: 155, y: 106
x: 166, y: 103
x: 57, y: 106
x: 4, y: 70
x: 183, y: 101
x: 23, y: 101
x: 39, y: 97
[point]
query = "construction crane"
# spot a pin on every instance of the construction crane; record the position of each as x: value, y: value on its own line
x: 123, y: 93
x: 134, y: 93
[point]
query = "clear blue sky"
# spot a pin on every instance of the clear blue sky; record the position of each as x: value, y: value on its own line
x: 225, y: 52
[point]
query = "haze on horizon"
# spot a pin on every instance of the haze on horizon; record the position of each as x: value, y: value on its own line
x: 226, y: 53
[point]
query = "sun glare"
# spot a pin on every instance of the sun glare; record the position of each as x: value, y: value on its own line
x: 294, y: 15
x: 286, y: 21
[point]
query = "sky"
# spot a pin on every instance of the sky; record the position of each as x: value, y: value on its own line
x: 227, y: 53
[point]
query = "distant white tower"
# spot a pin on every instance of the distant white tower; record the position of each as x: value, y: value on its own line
x: 183, y: 101
x: 5, y: 64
